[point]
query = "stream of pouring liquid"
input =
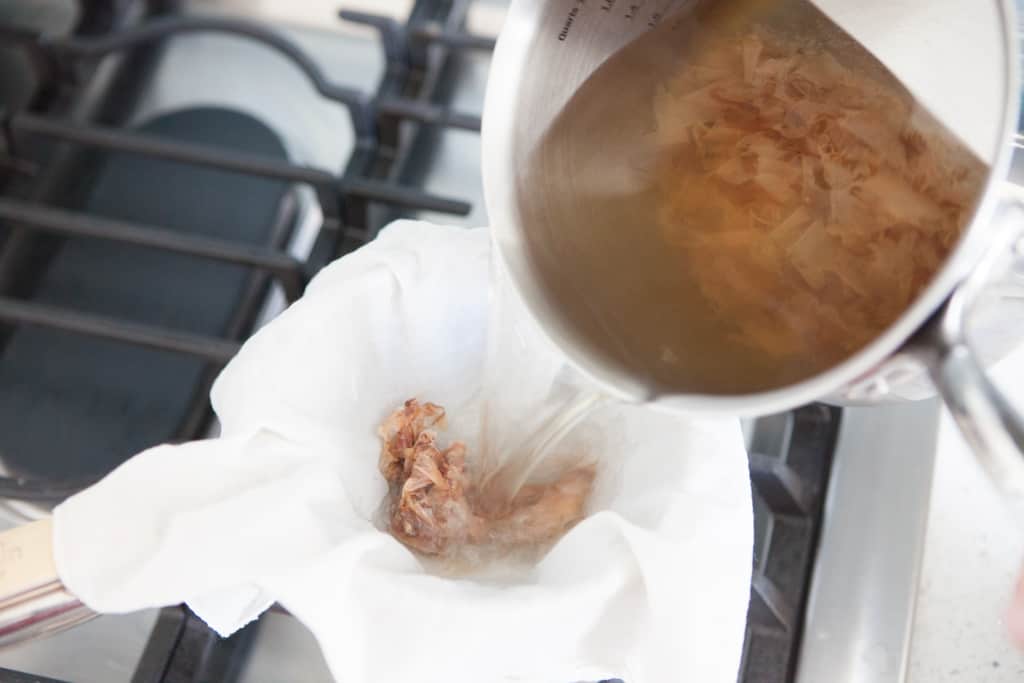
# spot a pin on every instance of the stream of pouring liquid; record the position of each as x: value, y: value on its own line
x: 530, y: 401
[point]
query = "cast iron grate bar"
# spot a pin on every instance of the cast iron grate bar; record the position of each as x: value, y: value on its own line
x: 779, y: 485
x: 402, y: 197
x: 163, y: 639
x: 768, y: 607
x: 27, y: 313
x: 287, y: 269
x: 392, y: 35
x: 182, y: 649
x: 406, y: 42
x: 426, y: 112
x: 138, y: 143
x: 329, y: 187
x: 457, y: 40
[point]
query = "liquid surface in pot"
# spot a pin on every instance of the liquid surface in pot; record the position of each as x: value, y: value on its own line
x: 763, y: 201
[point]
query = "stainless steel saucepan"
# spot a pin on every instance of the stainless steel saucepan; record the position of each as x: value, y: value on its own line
x: 959, y: 59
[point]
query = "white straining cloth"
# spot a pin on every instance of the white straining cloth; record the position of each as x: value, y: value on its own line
x: 652, y: 587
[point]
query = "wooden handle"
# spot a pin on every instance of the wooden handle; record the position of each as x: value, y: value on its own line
x: 26, y: 560
x: 33, y: 601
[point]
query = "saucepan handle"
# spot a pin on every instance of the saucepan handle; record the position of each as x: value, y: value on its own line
x: 990, y: 423
x: 992, y: 426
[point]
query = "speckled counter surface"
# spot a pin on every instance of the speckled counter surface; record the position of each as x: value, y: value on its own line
x: 974, y: 550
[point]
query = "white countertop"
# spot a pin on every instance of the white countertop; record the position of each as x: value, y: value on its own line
x: 974, y: 552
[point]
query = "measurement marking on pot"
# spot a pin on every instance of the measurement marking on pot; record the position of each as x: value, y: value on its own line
x: 573, y: 13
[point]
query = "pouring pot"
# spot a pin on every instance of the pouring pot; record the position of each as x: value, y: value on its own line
x: 959, y: 59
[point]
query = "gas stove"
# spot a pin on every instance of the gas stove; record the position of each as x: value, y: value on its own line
x: 173, y: 173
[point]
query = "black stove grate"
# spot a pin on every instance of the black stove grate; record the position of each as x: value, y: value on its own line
x: 790, y: 454
x: 790, y: 461
x: 416, y: 51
